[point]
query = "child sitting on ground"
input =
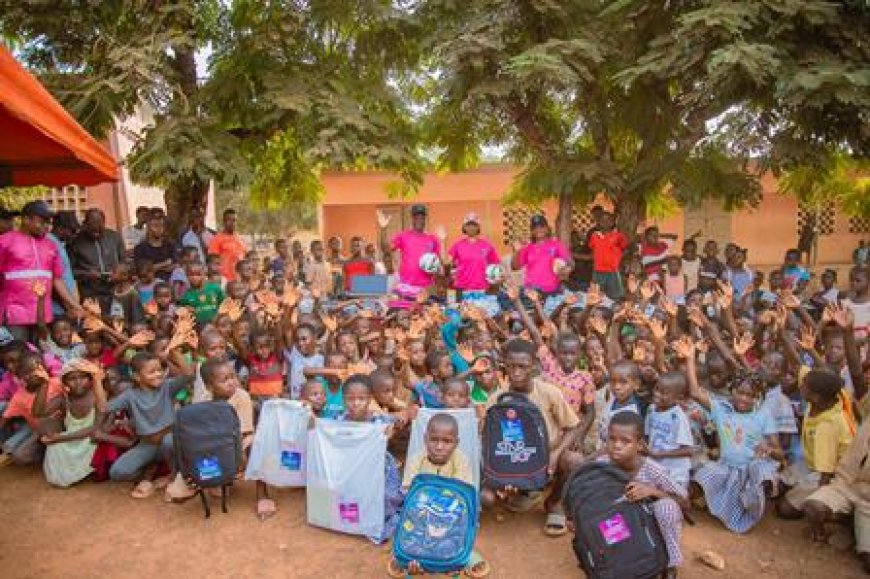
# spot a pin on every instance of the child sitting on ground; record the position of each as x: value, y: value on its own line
x: 735, y: 486
x: 441, y: 457
x: 648, y: 481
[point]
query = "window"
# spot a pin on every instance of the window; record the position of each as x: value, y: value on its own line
x: 69, y: 198
x: 515, y: 223
x: 822, y: 220
x: 859, y: 224
x: 581, y: 218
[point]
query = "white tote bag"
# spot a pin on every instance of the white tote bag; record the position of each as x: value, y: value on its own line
x: 469, y: 439
x: 346, y: 476
x: 279, y: 452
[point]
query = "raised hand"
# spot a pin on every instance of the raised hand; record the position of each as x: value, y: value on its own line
x: 118, y: 325
x: 844, y: 317
x: 725, y: 294
x: 533, y: 296
x: 513, y: 292
x: 631, y: 284
x: 658, y: 329
x: 647, y: 290
x: 668, y: 306
x: 571, y: 300
x: 465, y: 350
x: 329, y: 322
x: 807, y: 338
x: 93, y: 324
x: 141, y: 339
x: 593, y: 296
x: 684, y: 348
x: 743, y: 343
x: 383, y: 219
x: 789, y: 300
x: 481, y: 365
x: 598, y: 325
x: 441, y: 233
x: 92, y: 307
x: 696, y: 316
x: 38, y: 288
x: 151, y: 308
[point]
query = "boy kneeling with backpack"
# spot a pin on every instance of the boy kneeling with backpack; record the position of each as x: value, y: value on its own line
x: 529, y: 438
x: 625, y: 511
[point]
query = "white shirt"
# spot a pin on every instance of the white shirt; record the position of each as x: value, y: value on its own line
x: 670, y: 430
x: 778, y: 407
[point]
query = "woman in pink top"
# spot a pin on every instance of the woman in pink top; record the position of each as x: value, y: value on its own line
x: 539, y: 259
x: 470, y: 256
x: 412, y: 244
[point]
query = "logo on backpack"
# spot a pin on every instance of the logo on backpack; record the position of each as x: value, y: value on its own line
x: 614, y: 530
x: 512, y: 443
x: 208, y: 468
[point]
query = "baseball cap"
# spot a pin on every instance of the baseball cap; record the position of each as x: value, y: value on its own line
x: 38, y: 208
x: 418, y: 209
x: 538, y: 220
x: 470, y: 218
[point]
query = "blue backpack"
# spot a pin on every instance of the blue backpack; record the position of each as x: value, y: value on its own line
x: 438, y: 524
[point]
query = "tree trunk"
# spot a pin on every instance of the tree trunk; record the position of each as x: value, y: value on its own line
x: 563, y: 219
x: 630, y: 211
x: 180, y: 199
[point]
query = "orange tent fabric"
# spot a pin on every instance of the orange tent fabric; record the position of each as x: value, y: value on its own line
x: 40, y: 142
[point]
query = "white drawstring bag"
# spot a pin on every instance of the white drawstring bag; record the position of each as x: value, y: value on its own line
x: 278, y: 454
x: 346, y: 476
x: 469, y: 439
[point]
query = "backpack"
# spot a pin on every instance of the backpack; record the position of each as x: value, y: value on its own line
x: 208, y: 447
x: 438, y: 524
x: 614, y: 538
x: 516, y: 445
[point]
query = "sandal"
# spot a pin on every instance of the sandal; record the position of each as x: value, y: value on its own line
x: 395, y: 570
x: 266, y: 508
x: 477, y: 568
x: 556, y: 525
x: 178, y: 492
x: 524, y: 503
x: 143, y: 490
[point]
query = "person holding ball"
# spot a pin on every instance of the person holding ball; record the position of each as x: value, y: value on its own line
x: 470, y: 257
x: 414, y: 244
x: 545, y: 259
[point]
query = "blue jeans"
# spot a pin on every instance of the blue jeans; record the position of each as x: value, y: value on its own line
x: 130, y: 465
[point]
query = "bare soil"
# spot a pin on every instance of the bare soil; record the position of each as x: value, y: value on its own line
x: 96, y: 530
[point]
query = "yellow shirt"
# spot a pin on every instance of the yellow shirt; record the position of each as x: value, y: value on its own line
x: 558, y: 414
x: 825, y: 439
x: 456, y: 467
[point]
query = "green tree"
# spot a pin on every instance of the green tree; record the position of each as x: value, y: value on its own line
x: 643, y: 101
x: 291, y: 87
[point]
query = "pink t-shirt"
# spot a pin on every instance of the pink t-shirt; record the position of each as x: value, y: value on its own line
x: 471, y: 256
x: 9, y: 385
x: 413, y: 246
x: 537, y: 258
x: 25, y: 259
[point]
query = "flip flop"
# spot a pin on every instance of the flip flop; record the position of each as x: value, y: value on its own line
x: 477, y: 568
x: 143, y: 490
x: 394, y: 570
x: 556, y: 525
x: 266, y: 508
x: 5, y: 459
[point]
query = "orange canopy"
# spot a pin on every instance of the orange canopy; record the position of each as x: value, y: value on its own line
x: 40, y: 142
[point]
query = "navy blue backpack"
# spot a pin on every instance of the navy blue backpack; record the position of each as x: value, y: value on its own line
x: 438, y: 525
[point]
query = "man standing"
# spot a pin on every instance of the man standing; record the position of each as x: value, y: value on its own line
x: 94, y: 254
x: 412, y: 244
x: 607, y: 245
x: 229, y: 245
x: 64, y: 228
x: 198, y: 235
x: 156, y: 248
x: 545, y: 260
x: 27, y: 258
x: 135, y: 234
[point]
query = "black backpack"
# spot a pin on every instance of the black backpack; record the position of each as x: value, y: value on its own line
x: 613, y: 538
x: 208, y: 447
x: 516, y: 445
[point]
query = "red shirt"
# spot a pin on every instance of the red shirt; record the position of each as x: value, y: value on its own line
x: 357, y: 267
x: 607, y: 250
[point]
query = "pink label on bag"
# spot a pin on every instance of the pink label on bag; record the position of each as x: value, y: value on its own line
x: 614, y: 530
x: 349, y: 512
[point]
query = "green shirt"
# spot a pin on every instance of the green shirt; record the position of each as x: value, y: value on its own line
x: 204, y: 302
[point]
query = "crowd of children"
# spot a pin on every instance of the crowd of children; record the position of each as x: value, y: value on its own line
x: 688, y: 372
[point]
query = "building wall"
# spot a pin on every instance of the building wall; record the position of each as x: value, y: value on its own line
x: 352, y: 199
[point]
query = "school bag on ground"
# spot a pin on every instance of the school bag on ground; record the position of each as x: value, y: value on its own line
x: 438, y: 525
x: 208, y: 447
x: 469, y: 441
x: 516, y: 445
x: 614, y: 538
x: 278, y: 453
x: 346, y: 477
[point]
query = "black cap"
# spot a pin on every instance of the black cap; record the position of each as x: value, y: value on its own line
x: 8, y: 214
x: 538, y: 220
x: 418, y: 210
x: 66, y: 219
x: 39, y: 208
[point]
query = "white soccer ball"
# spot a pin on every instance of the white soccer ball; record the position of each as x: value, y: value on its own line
x: 558, y: 265
x: 430, y: 263
x: 494, y: 273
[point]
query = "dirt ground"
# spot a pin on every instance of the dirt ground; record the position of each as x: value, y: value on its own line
x: 99, y: 531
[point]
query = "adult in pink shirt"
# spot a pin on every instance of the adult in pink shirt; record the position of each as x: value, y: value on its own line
x: 412, y: 244
x: 538, y: 258
x: 470, y: 256
x: 28, y: 257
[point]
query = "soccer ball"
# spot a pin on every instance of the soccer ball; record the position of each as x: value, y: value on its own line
x: 558, y: 265
x: 494, y: 273
x: 430, y: 263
